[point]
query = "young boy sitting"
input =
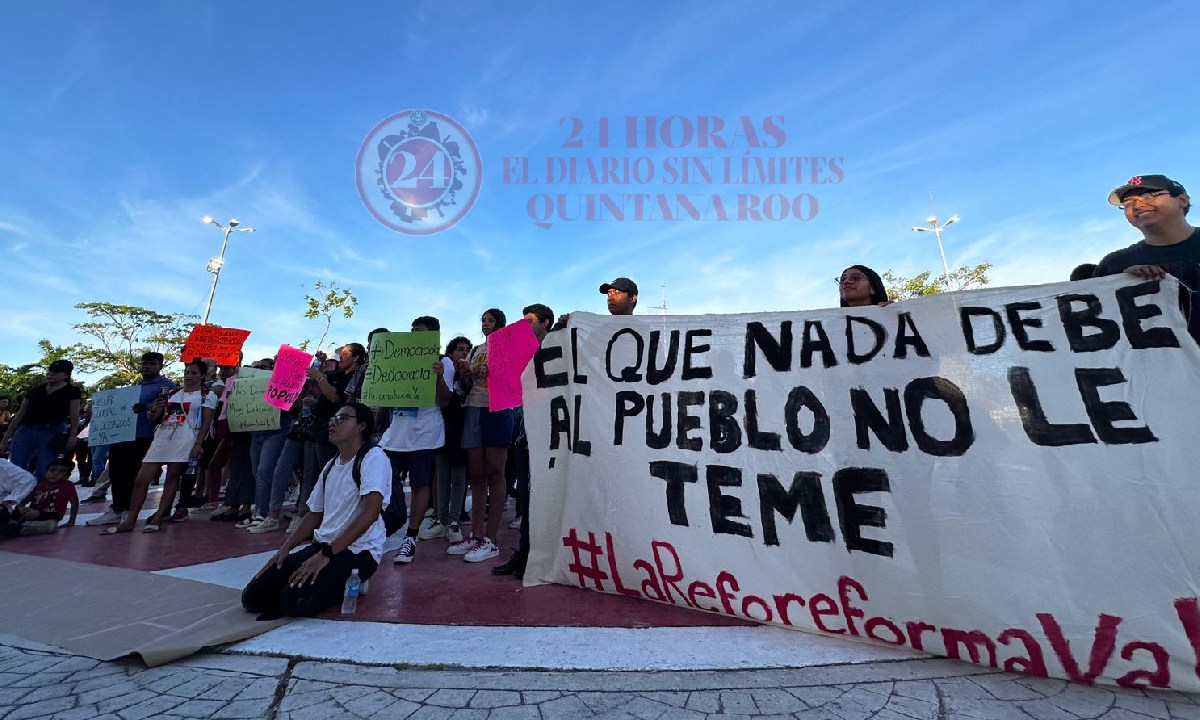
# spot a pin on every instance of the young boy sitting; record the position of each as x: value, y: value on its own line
x: 44, y: 508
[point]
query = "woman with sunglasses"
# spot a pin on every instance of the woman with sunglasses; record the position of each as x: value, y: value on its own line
x: 343, y: 528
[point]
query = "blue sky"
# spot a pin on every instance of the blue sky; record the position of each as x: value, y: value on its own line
x: 125, y: 123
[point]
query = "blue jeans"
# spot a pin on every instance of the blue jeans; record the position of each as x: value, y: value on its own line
x: 31, y: 445
x: 266, y: 447
x: 313, y: 456
x: 99, y: 460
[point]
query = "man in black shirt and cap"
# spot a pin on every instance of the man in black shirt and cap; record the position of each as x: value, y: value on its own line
x: 1158, y: 207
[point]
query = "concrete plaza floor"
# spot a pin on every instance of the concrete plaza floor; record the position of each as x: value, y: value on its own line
x: 41, y: 682
x: 557, y: 653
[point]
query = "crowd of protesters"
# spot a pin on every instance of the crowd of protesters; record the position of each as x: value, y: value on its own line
x: 346, y: 464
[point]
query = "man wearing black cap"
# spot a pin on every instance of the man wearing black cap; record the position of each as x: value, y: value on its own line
x: 622, y: 296
x: 1157, y: 206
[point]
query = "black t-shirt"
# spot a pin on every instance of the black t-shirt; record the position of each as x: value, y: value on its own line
x: 50, y: 408
x: 1181, y: 260
x: 325, y: 408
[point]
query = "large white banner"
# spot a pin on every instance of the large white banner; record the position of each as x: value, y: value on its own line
x: 1006, y: 476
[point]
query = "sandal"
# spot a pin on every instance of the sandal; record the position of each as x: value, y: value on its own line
x: 114, y: 530
x: 150, y: 528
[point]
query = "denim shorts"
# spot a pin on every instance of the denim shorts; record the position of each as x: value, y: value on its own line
x: 487, y: 428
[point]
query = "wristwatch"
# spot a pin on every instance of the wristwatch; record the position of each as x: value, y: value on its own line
x: 327, y: 550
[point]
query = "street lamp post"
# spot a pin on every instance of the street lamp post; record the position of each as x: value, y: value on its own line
x: 937, y: 233
x: 215, y: 265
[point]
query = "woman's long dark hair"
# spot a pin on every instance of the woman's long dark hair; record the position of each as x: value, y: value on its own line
x: 878, y: 291
x: 497, y: 315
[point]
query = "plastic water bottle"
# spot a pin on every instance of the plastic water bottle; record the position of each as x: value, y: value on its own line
x: 353, y: 587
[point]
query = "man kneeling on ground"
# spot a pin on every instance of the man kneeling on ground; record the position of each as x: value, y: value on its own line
x: 343, y: 525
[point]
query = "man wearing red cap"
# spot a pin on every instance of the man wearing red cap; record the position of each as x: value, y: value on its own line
x: 1157, y: 206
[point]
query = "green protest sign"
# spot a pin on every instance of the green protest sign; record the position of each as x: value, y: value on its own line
x: 247, y: 411
x: 401, y: 372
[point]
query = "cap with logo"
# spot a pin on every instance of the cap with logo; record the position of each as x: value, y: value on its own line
x: 623, y: 284
x: 1148, y: 183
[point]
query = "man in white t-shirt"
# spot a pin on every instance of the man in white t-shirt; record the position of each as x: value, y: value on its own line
x: 412, y: 441
x: 343, y: 525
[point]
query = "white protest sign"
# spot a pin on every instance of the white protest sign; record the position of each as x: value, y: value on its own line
x: 1007, y: 476
x: 113, y: 419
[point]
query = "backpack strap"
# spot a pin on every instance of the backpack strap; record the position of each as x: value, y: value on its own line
x: 356, y: 471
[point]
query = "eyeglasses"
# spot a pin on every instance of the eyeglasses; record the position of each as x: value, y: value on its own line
x: 1143, y: 198
x: 338, y: 418
x: 849, y: 278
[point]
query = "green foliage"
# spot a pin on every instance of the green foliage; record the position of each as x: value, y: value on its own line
x: 120, y: 335
x: 16, y: 381
x: 328, y: 301
x: 926, y: 283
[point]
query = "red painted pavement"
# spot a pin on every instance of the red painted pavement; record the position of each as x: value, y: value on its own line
x: 435, y: 588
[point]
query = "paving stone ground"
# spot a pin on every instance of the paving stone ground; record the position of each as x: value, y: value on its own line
x: 41, y: 682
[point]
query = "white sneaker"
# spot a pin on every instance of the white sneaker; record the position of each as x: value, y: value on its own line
x: 407, y: 551
x: 268, y: 524
x: 433, y: 530
x: 485, y: 550
x: 515, y: 524
x: 454, y: 533
x: 463, y: 547
x: 249, y: 522
x: 108, y: 518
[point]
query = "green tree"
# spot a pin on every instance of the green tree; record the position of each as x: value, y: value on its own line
x: 16, y: 381
x: 121, y: 334
x: 926, y: 283
x: 328, y: 301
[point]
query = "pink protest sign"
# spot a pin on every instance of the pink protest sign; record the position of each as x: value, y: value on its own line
x: 509, y: 350
x: 287, y: 379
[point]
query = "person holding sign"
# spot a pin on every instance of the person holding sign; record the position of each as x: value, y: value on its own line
x: 540, y: 318
x: 487, y: 436
x: 344, y: 526
x: 1158, y: 206
x: 412, y: 440
x: 178, y: 440
x: 125, y: 458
